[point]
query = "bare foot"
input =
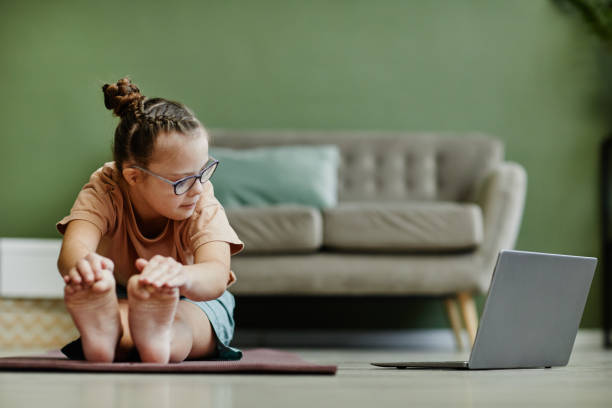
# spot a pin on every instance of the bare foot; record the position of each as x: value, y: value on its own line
x: 151, y: 315
x: 95, y: 311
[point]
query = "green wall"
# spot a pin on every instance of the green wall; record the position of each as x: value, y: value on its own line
x: 519, y: 70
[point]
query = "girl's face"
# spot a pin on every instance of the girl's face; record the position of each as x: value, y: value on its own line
x: 175, y: 156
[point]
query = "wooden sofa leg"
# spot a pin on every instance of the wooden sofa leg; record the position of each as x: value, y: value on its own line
x: 455, y: 320
x: 470, y: 314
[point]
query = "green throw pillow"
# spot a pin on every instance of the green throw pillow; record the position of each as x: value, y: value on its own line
x: 264, y: 176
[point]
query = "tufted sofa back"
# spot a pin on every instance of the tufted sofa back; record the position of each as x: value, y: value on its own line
x: 385, y: 166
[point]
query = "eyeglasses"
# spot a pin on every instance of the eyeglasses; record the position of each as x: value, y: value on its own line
x: 184, y: 185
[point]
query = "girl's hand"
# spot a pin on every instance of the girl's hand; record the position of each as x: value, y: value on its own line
x: 162, y: 272
x: 88, y: 270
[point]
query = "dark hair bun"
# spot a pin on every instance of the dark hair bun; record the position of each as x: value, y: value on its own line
x: 122, y: 96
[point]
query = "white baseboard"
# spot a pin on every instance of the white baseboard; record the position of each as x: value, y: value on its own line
x: 28, y: 268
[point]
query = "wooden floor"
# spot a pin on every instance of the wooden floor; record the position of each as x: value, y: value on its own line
x: 585, y: 382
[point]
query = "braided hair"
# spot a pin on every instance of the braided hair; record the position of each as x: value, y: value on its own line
x: 143, y: 120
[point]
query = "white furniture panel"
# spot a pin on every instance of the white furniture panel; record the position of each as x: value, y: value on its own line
x: 28, y: 268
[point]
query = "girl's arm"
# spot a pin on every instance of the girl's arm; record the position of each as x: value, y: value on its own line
x: 205, y: 280
x: 210, y: 271
x: 79, y: 246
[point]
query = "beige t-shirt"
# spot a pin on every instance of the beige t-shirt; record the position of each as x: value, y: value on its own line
x: 105, y: 202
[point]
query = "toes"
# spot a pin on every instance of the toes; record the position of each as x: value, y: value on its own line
x: 142, y: 291
x: 165, y: 292
x: 136, y: 289
x: 73, y: 288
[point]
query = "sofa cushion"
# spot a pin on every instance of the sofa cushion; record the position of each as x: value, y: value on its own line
x: 360, y: 274
x: 277, y: 229
x: 305, y: 175
x: 405, y: 227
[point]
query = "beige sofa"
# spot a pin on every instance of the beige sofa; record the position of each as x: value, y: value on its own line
x: 417, y: 214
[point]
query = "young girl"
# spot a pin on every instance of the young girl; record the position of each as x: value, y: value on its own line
x: 146, y: 249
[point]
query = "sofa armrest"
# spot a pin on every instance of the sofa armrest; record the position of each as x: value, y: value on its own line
x: 501, y: 196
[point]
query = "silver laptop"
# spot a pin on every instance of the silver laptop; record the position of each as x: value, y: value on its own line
x: 531, y: 314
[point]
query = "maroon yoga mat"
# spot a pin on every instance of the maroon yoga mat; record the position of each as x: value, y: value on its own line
x: 259, y: 360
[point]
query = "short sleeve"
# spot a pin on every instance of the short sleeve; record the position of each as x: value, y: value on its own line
x: 209, y: 223
x: 93, y: 204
